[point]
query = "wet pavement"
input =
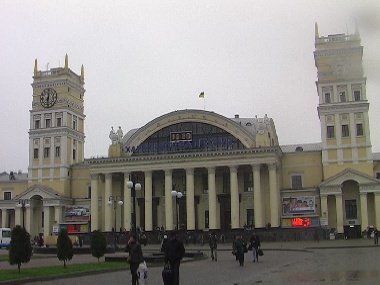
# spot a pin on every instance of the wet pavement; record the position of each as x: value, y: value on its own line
x: 302, y: 262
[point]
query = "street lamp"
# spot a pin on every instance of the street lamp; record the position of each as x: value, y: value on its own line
x: 115, y: 200
x: 178, y: 195
x: 23, y: 204
x: 133, y: 186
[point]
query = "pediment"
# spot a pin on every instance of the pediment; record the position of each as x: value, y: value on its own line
x: 45, y: 192
x: 349, y: 174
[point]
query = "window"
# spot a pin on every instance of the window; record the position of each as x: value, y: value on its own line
x: 74, y: 154
x: 206, y: 219
x: 59, y: 122
x: 296, y: 181
x: 359, y: 129
x: 377, y: 175
x: 57, y: 151
x: 342, y: 96
x: 7, y: 195
x: 35, y: 153
x: 330, y: 132
x: 357, y: 95
x: 74, y: 122
x: 226, y: 183
x: 47, y: 123
x: 37, y: 124
x: 248, y: 182
x: 46, y: 152
x: 327, y: 97
x: 345, y: 131
x: 205, y: 183
x: 351, y: 209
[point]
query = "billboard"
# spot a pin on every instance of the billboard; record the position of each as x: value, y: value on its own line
x: 75, y: 213
x: 298, y: 205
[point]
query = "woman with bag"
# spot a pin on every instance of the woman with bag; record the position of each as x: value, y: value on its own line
x: 135, y: 257
x: 255, y: 245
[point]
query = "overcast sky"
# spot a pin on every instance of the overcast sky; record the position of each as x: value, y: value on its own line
x: 143, y: 59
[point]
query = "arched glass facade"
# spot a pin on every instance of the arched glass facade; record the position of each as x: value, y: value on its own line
x: 186, y: 137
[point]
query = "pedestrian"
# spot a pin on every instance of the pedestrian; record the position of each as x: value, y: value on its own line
x: 376, y: 236
x: 135, y: 257
x: 316, y: 236
x: 163, y: 243
x: 240, y: 249
x: 255, y: 244
x: 213, y: 243
x: 173, y: 255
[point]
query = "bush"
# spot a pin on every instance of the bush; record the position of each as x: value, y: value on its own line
x: 20, y: 248
x: 98, y: 244
x: 65, y: 250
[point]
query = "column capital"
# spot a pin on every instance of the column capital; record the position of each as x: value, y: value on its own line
x: 211, y: 170
x: 108, y: 175
x: 189, y: 171
x: 148, y: 173
x: 233, y: 168
x: 168, y: 171
x: 256, y: 167
x: 272, y: 166
x: 94, y: 176
x: 126, y: 175
x: 363, y: 193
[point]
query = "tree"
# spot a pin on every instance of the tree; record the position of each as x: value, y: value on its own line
x: 98, y: 244
x: 65, y: 249
x: 20, y: 248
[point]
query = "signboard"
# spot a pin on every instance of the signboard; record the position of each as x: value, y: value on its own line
x: 75, y: 228
x: 77, y: 213
x: 324, y: 222
x: 301, y: 222
x: 298, y: 205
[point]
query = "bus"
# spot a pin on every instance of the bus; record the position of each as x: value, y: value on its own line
x: 5, y: 237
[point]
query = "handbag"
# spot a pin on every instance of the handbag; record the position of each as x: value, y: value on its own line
x: 142, y: 273
x: 250, y: 247
x: 167, y: 275
x: 260, y: 252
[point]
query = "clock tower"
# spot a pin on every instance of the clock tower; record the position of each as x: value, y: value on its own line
x: 343, y: 105
x: 56, y: 134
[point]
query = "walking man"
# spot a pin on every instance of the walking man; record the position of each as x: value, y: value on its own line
x: 174, y: 252
x: 376, y: 236
x: 240, y: 249
x: 135, y: 257
x: 213, y: 243
x: 255, y: 244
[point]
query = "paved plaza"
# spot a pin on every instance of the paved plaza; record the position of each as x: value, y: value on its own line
x: 303, y: 262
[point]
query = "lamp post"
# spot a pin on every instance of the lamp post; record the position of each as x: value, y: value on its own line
x: 23, y: 204
x: 177, y: 195
x: 115, y: 200
x: 133, y: 186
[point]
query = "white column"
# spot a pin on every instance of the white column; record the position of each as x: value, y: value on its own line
x: 4, y: 218
x: 339, y: 213
x: 148, y: 201
x: 273, y: 196
x: 363, y: 210
x: 58, y: 214
x: 168, y: 200
x: 324, y: 207
x: 212, y: 199
x: 127, y: 204
x: 234, y: 198
x: 257, y: 197
x: 28, y: 219
x: 190, y: 205
x: 107, y: 208
x: 47, y: 221
x: 94, y: 202
x: 377, y: 210
x: 18, y: 216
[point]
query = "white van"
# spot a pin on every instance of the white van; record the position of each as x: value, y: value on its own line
x: 5, y: 237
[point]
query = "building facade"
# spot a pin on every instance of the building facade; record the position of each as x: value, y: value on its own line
x: 232, y: 172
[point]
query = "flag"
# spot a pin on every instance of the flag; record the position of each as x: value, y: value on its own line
x: 202, y: 95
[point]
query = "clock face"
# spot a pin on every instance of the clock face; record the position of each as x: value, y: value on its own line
x: 48, y: 97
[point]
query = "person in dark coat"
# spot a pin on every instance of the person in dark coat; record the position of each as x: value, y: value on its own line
x: 255, y: 244
x: 173, y: 255
x: 135, y: 257
x: 240, y: 248
x: 213, y: 243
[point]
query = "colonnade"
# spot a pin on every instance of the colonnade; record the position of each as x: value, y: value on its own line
x: 126, y: 220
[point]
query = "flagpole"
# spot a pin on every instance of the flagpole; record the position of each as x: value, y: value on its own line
x: 204, y: 104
